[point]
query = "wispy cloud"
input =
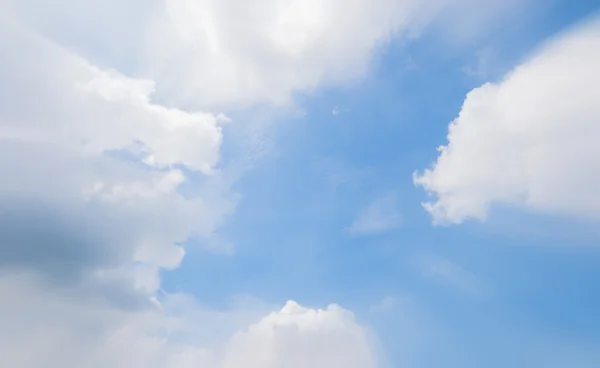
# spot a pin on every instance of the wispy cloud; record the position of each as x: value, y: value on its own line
x: 387, y: 304
x: 379, y: 217
x: 445, y: 271
x: 483, y: 65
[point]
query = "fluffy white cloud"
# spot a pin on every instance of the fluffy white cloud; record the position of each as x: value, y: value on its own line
x: 302, y: 337
x: 529, y: 140
x: 85, y: 151
x: 232, y: 52
x: 267, y: 49
x: 206, y: 52
x: 75, y: 104
x: 59, y: 329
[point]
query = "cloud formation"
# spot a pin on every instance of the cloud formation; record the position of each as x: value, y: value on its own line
x: 90, y: 333
x: 227, y: 52
x: 446, y: 272
x: 378, y: 217
x: 93, y: 164
x: 529, y: 140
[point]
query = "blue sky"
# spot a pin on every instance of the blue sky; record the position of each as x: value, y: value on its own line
x: 311, y: 190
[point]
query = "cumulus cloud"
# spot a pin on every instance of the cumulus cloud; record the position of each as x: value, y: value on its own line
x: 529, y: 140
x: 55, y: 329
x: 302, y: 337
x: 378, y: 217
x: 91, y: 163
x: 229, y: 52
x: 97, y: 110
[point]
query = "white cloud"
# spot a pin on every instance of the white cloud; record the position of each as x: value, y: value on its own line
x: 380, y: 216
x: 214, y: 52
x: 54, y: 329
x: 302, y: 337
x: 94, y: 110
x: 86, y: 143
x: 231, y: 52
x: 529, y: 141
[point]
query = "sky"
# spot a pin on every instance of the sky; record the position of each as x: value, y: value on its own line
x: 290, y: 184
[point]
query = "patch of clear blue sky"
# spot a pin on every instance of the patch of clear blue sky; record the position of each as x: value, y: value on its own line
x: 540, y: 274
